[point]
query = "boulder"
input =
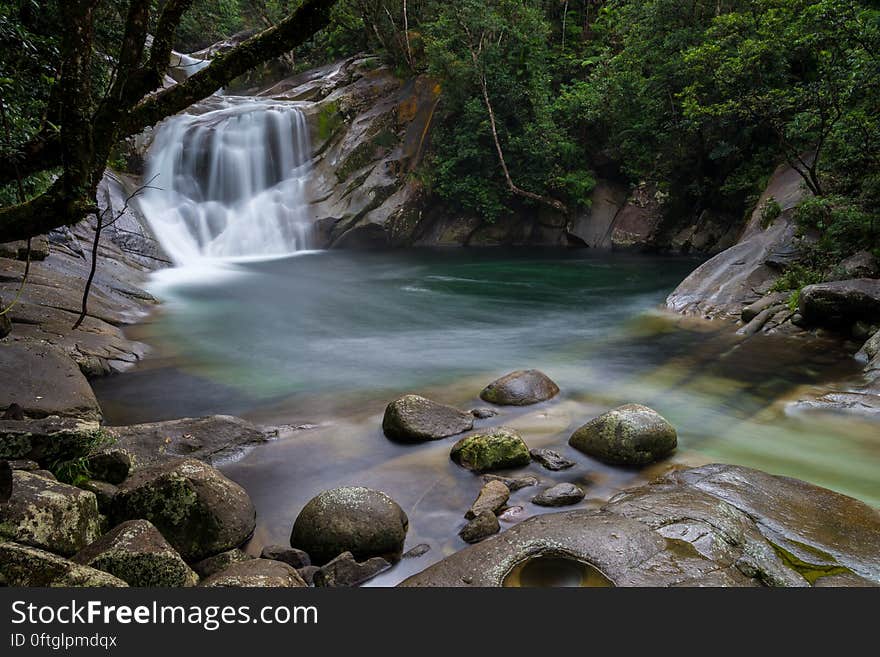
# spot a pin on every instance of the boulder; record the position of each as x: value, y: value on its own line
x: 136, y: 553
x: 49, y: 515
x: 859, y: 265
x: 22, y: 565
x: 110, y: 465
x: 359, y: 520
x: 840, y: 304
x: 495, y: 449
x: 550, y: 459
x: 48, y: 439
x: 513, y: 483
x: 716, y: 525
x: 291, y: 556
x: 520, y: 388
x: 220, y: 562
x: 414, y: 419
x: 492, y: 497
x: 559, y: 495
x: 345, y: 571
x: 198, y: 510
x: 629, y: 435
x: 479, y: 528
x: 256, y: 573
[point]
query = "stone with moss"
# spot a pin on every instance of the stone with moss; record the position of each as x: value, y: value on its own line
x: 198, y: 510
x: 257, y: 573
x: 520, y: 388
x: 629, y: 435
x: 415, y: 419
x: 51, y: 440
x: 220, y: 562
x: 50, y: 515
x: 138, y: 554
x: 23, y: 565
x: 495, y: 449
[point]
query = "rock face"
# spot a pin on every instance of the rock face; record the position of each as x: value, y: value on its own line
x: 49, y: 515
x: 365, y: 522
x: 520, y: 388
x: 742, y: 274
x: 256, y: 573
x: 496, y: 449
x: 210, y: 439
x: 717, y: 525
x: 492, y: 497
x: 345, y: 571
x: 840, y: 304
x: 136, y: 553
x: 414, y: 419
x: 559, y: 495
x: 628, y: 435
x: 198, y: 510
x: 22, y: 565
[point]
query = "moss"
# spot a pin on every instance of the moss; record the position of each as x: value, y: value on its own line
x: 329, y: 120
x: 357, y: 160
x: 809, y: 571
x: 502, y: 448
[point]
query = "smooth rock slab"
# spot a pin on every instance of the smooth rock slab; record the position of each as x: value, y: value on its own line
x: 495, y: 449
x: 22, y: 565
x: 359, y: 520
x: 415, y: 419
x: 520, y: 388
x: 50, y: 515
x: 198, y: 510
x: 492, y: 497
x: 629, y: 435
x: 136, y: 553
x: 256, y: 573
x: 559, y: 495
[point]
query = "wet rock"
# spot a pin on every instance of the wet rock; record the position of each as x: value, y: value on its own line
x: 559, y: 495
x: 198, y: 510
x: 308, y: 574
x: 359, y: 520
x: 220, y: 562
x: 344, y: 571
x: 496, y: 449
x: 492, y: 497
x: 136, y: 553
x: 513, y: 483
x: 48, y: 439
x: 103, y: 491
x: 483, y: 413
x: 479, y: 528
x: 520, y: 388
x: 629, y: 435
x: 111, y: 465
x: 865, y: 403
x: 49, y: 515
x: 414, y: 419
x: 839, y: 304
x: 22, y: 565
x: 717, y: 525
x: 256, y: 573
x: 5, y: 481
x: 417, y: 551
x: 511, y: 514
x: 211, y: 439
x: 291, y: 556
x: 550, y: 459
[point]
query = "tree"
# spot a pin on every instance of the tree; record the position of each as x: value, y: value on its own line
x: 81, y: 126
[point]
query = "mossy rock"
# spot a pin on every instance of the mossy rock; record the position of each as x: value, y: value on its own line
x: 496, y: 449
x: 257, y: 573
x: 629, y: 435
x: 23, y: 565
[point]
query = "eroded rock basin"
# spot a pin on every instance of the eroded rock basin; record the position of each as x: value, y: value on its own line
x: 318, y: 344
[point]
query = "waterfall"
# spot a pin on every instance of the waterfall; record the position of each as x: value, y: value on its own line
x: 230, y: 181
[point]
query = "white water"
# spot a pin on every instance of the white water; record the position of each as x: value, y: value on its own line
x: 230, y: 182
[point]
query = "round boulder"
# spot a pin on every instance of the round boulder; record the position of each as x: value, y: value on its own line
x: 198, y: 510
x: 520, y: 388
x: 495, y: 449
x: 362, y: 521
x: 629, y: 435
x: 414, y: 419
x: 256, y: 573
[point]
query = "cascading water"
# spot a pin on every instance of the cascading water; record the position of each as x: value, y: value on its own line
x: 231, y: 181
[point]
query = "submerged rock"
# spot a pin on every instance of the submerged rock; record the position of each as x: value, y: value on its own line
x: 840, y: 304
x: 479, y: 528
x: 291, y: 556
x: 198, y: 510
x: 417, y: 551
x: 49, y: 515
x: 717, y: 525
x: 415, y: 419
x: 256, y: 573
x: 136, y: 553
x: 359, y: 520
x: 495, y: 449
x: 550, y: 459
x: 492, y: 497
x: 345, y: 571
x: 22, y: 565
x: 629, y: 435
x: 559, y: 495
x: 520, y: 388
x: 220, y: 562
